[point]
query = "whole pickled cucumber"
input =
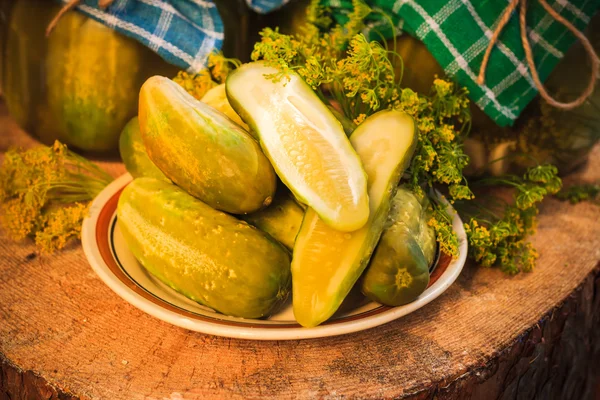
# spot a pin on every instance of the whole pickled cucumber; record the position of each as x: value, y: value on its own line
x: 217, y: 98
x: 282, y: 219
x: 133, y: 153
x: 207, y: 255
x: 426, y: 237
x: 203, y: 151
x: 399, y: 269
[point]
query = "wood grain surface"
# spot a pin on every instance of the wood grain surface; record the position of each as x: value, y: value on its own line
x: 64, y: 334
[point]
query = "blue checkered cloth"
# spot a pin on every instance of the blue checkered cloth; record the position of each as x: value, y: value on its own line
x: 183, y: 32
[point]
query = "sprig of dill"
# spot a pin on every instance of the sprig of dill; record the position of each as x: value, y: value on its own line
x: 359, y: 77
x: 578, y: 193
x: 45, y: 194
x: 498, y: 232
x: 217, y: 69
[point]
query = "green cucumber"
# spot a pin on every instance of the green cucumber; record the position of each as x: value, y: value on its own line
x: 202, y: 151
x: 217, y: 99
x: 282, y: 219
x: 399, y: 269
x: 134, y: 155
x: 304, y: 141
x: 207, y: 255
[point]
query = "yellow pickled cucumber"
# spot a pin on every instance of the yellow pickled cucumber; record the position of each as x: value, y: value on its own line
x: 399, y: 269
x: 282, y: 219
x: 217, y: 98
x: 203, y: 151
x: 207, y: 255
x: 305, y: 143
x: 134, y: 155
x: 326, y: 263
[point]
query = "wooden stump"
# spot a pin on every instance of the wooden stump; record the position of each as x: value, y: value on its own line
x: 66, y: 335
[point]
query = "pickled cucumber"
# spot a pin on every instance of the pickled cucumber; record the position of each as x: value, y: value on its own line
x: 282, y: 219
x: 207, y: 255
x: 399, y: 269
x: 217, y: 98
x: 305, y: 143
x: 133, y: 153
x: 203, y: 151
x: 326, y: 263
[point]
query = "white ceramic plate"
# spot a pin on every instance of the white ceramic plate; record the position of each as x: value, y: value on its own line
x: 110, y: 257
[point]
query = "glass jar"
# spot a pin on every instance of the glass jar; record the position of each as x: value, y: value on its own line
x: 80, y: 85
x: 542, y: 133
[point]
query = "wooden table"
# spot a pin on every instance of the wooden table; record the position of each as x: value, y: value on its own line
x: 66, y: 335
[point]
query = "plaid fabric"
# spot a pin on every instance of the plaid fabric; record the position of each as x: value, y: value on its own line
x: 183, y: 32
x: 266, y: 6
x: 457, y: 33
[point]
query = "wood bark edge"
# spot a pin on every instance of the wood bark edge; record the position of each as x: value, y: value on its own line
x: 21, y: 384
x: 512, y: 362
x: 479, y: 381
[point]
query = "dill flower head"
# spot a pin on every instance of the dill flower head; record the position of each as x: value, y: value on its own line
x: 59, y: 225
x: 45, y: 193
x: 216, y: 72
x: 195, y: 84
x: 220, y: 66
x: 345, y: 68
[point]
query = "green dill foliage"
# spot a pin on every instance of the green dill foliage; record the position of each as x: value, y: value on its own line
x: 217, y: 69
x: 441, y: 222
x: 336, y: 61
x: 359, y: 78
x: 578, y: 193
x: 498, y: 232
x: 443, y: 121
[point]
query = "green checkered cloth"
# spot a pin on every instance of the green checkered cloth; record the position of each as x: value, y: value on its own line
x: 457, y: 33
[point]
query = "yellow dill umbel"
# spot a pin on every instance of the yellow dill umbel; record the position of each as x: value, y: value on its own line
x: 45, y: 194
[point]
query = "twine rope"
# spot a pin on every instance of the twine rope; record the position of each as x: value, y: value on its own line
x: 69, y: 6
x: 595, y: 62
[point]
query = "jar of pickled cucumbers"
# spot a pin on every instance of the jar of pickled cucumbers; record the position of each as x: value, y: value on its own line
x: 80, y: 84
x: 542, y: 133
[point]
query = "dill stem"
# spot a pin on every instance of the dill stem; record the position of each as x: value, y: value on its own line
x: 88, y: 165
x: 86, y: 177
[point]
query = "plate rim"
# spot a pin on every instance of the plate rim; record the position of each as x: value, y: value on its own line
x: 96, y: 261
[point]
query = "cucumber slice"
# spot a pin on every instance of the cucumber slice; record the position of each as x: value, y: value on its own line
x: 305, y: 143
x: 326, y: 263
